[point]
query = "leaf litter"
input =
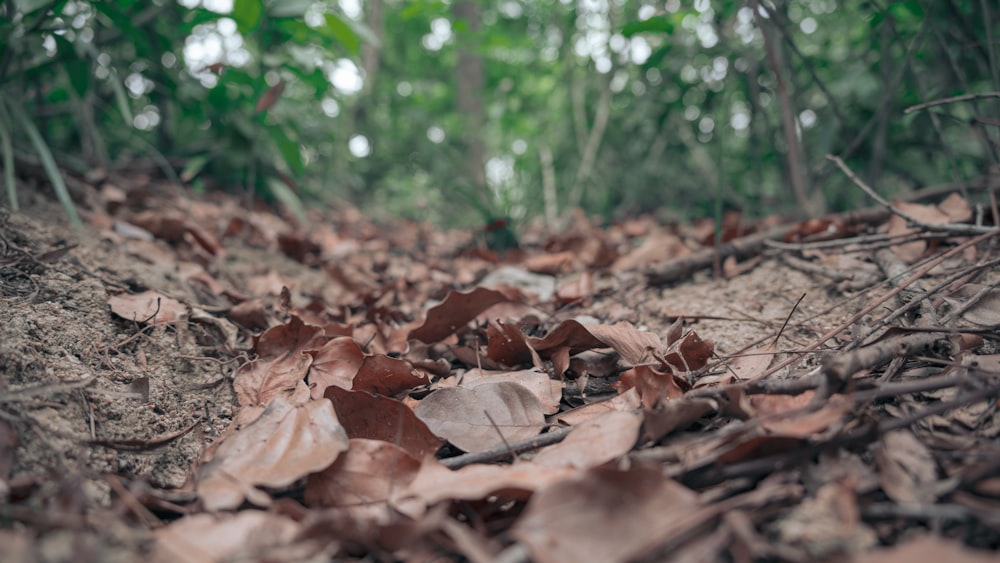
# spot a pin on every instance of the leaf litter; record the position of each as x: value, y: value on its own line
x: 188, y: 380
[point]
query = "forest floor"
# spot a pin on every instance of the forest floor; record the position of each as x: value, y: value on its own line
x: 188, y: 380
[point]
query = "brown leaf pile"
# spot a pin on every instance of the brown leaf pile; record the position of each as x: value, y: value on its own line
x: 411, y: 406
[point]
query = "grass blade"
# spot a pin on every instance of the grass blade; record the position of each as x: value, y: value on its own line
x: 7, y: 151
x: 51, y: 169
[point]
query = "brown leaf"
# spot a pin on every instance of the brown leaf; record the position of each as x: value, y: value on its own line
x: 455, y: 311
x: 604, y: 514
x: 386, y: 376
x: 678, y: 414
x: 223, y: 537
x: 285, y: 443
x: 463, y: 415
x: 627, y: 402
x: 654, y: 386
x: 270, y: 97
x: 594, y: 442
x: 507, y: 345
x: 752, y: 364
x: 335, y: 364
x: 435, y: 482
x: 547, y: 391
x: 691, y: 353
x: 657, y: 247
x: 282, y: 363
x: 147, y: 307
x: 364, y: 415
x: 787, y: 415
x: 634, y: 346
x: 367, y: 474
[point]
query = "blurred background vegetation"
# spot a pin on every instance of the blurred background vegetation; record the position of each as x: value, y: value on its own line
x: 463, y: 112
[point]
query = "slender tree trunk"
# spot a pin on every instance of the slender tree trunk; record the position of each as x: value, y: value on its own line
x: 469, y: 88
x: 796, y: 159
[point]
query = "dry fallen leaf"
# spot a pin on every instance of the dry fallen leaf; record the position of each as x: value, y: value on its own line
x: 594, y: 442
x: 473, y: 419
x: 547, y: 390
x: 282, y: 363
x: 435, y: 482
x: 364, y: 415
x: 604, y: 514
x: 365, y: 475
x: 285, y: 443
x: 147, y: 307
x: 224, y: 537
x: 457, y: 309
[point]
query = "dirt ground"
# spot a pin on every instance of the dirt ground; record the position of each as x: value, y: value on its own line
x: 104, y: 419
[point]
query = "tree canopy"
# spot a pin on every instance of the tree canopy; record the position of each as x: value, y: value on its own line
x: 465, y: 112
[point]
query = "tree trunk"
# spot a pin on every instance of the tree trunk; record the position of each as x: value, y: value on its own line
x: 469, y: 87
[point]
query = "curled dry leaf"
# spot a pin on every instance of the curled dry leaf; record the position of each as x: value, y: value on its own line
x: 455, y: 311
x: 387, y: 376
x: 482, y: 417
x: 506, y: 345
x: 147, y: 307
x: 282, y: 363
x: 594, y: 442
x: 653, y: 386
x: 286, y: 442
x: 634, y: 346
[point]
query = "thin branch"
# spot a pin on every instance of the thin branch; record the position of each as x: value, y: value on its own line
x: 952, y: 100
x: 954, y: 228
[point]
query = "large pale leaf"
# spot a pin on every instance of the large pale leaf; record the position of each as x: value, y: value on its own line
x: 473, y: 419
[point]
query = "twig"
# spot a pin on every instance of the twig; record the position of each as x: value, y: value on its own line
x: 952, y: 100
x: 955, y: 228
x: 931, y: 264
x: 518, y: 446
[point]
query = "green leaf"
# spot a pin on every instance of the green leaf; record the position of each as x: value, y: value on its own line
x: 288, y: 198
x: 343, y: 33
x: 124, y: 106
x: 77, y: 69
x: 247, y: 14
x: 289, y: 150
x: 193, y: 167
x: 655, y: 24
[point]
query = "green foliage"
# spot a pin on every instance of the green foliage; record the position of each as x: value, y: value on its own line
x: 111, y: 77
x: 618, y: 107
